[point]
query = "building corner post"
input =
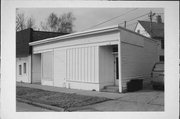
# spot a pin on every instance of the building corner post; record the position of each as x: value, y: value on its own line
x: 119, y: 57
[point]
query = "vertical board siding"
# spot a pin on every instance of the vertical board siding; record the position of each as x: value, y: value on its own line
x: 82, y: 64
x: 74, y: 63
x: 86, y: 66
x: 96, y: 64
x: 92, y: 68
x: 89, y: 69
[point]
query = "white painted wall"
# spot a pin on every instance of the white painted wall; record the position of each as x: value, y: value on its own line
x: 25, y: 77
x: 106, y: 66
x: 60, y: 67
x: 138, y: 58
x: 36, y: 68
x: 47, y: 68
x: 97, y: 39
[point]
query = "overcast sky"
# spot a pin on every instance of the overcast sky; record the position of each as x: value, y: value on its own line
x: 88, y: 17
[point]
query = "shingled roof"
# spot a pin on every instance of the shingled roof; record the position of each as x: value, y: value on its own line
x: 29, y: 35
x: 157, y: 28
x: 39, y: 35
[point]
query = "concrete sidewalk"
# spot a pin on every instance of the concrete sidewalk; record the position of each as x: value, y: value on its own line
x: 80, y: 92
x: 137, y: 101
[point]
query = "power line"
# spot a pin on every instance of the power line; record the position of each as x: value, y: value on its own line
x: 111, y: 19
x: 132, y: 24
x: 134, y: 18
x: 136, y: 22
x: 137, y: 17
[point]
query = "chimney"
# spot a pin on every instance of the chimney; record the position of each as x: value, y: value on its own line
x: 158, y: 18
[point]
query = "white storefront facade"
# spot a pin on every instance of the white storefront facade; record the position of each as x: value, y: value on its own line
x: 93, y: 59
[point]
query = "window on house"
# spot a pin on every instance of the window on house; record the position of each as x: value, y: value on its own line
x: 20, y: 70
x: 138, y: 31
x: 24, y: 68
x: 115, y: 48
x: 161, y: 58
x: 162, y: 44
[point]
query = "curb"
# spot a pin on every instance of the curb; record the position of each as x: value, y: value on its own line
x: 54, y: 108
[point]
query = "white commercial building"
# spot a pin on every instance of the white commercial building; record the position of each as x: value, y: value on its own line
x: 93, y: 59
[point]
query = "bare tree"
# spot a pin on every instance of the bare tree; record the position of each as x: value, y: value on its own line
x: 23, y: 22
x: 52, y: 22
x: 44, y: 26
x: 20, y: 21
x: 64, y: 23
x: 30, y: 23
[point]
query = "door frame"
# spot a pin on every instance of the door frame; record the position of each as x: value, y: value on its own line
x: 116, y: 69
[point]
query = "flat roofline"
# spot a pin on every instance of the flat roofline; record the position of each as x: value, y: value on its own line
x: 84, y: 33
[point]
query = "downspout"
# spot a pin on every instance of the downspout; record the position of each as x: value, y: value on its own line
x: 119, y: 57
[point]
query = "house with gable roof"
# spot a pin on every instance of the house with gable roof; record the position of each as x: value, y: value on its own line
x: 153, y: 30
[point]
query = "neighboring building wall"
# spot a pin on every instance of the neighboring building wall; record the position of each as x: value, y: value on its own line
x: 138, y: 57
x: 139, y: 29
x: 23, y: 71
x: 160, y: 49
x: 106, y: 66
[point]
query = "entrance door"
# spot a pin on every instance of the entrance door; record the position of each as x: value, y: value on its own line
x: 116, y: 70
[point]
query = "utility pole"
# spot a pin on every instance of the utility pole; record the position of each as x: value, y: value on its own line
x: 124, y: 24
x: 150, y: 17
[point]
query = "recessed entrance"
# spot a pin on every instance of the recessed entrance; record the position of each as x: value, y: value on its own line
x: 116, y: 70
x: 116, y: 65
x: 109, y: 65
